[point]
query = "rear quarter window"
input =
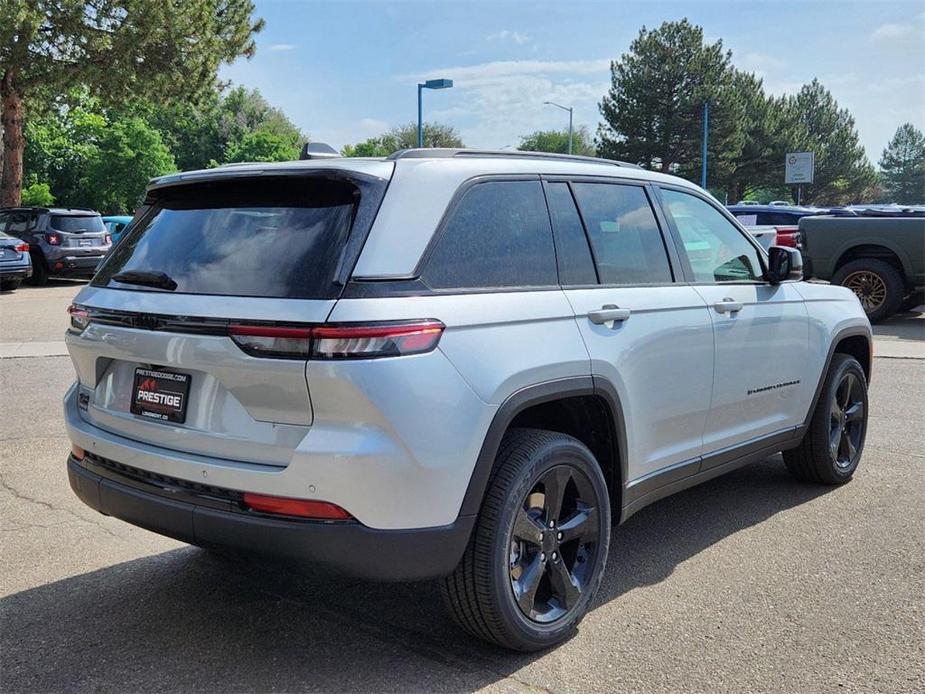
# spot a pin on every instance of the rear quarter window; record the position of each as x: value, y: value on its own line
x: 497, y: 235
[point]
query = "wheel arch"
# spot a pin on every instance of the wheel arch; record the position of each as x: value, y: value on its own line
x: 855, y: 341
x: 879, y: 250
x: 556, y: 405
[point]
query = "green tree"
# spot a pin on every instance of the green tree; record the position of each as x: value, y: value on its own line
x: 767, y: 135
x: 556, y: 141
x: 92, y: 158
x: 37, y: 195
x: 843, y: 174
x: 129, y: 153
x: 902, y: 166
x: 405, y: 137
x: 261, y: 145
x: 653, y: 112
x: 206, y: 132
x: 121, y: 48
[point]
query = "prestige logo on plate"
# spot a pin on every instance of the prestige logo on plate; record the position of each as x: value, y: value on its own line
x: 160, y: 395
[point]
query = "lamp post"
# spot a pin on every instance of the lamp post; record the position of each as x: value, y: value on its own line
x: 569, y: 109
x: 706, y: 138
x: 429, y: 84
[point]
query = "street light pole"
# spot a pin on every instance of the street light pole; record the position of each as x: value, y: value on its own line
x: 420, y: 117
x: 706, y: 136
x: 570, y: 113
x: 429, y: 84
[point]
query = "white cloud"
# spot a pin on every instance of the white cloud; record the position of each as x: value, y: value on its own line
x: 370, y: 127
x: 508, y: 35
x: 759, y: 62
x: 276, y: 47
x: 892, y: 32
x: 495, y: 104
x: 474, y: 75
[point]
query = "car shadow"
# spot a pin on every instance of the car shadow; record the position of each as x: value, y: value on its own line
x: 189, y: 620
x: 908, y: 325
x: 52, y: 283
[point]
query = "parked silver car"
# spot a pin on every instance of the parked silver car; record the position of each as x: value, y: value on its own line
x: 448, y: 364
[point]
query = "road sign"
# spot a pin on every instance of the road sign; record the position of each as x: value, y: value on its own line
x: 799, y: 168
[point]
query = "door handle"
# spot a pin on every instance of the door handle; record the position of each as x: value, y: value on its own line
x: 608, y: 313
x: 728, y: 305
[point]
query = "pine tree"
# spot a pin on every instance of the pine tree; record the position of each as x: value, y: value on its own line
x: 902, y: 166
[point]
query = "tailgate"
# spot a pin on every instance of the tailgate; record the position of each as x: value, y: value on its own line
x: 236, y: 406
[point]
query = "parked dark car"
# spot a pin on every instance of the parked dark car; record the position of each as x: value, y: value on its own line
x: 881, y: 259
x: 15, y: 263
x: 63, y: 242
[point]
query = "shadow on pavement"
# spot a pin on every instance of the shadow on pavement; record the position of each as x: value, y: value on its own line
x: 908, y: 325
x: 53, y: 283
x: 188, y: 620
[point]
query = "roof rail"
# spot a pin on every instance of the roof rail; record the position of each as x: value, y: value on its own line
x: 446, y: 153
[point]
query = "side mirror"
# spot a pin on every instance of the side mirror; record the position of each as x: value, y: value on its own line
x: 784, y: 264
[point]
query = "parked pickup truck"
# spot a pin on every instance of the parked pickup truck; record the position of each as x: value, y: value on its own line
x: 881, y: 259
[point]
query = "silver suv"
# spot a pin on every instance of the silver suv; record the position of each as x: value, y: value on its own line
x: 451, y: 364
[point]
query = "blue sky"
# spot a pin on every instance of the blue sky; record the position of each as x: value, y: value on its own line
x: 344, y: 71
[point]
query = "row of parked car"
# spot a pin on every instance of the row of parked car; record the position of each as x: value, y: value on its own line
x: 37, y: 243
x: 877, y: 251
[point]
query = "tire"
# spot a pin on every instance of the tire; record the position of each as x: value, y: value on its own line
x: 912, y: 301
x: 878, y: 285
x: 9, y: 285
x: 39, y: 270
x: 480, y: 593
x: 820, y: 458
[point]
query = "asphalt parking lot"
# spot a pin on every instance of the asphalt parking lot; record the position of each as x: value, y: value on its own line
x: 751, y: 582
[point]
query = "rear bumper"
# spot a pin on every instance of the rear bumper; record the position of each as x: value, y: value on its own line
x: 74, y: 265
x: 345, y: 547
x: 13, y: 273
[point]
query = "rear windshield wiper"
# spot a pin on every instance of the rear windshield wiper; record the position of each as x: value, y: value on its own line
x: 161, y: 280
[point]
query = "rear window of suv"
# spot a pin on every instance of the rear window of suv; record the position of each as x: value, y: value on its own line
x: 280, y: 238
x: 76, y: 224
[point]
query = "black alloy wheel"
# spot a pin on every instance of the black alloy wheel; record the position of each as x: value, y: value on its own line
x: 831, y: 447
x: 847, y: 421
x: 537, y: 554
x: 554, y: 544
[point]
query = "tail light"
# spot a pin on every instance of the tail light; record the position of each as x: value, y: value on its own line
x: 80, y: 317
x: 338, y: 341
x: 53, y: 238
x: 22, y: 248
x: 303, y: 508
x: 788, y: 236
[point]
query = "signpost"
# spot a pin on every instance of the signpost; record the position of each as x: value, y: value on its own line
x: 799, y: 168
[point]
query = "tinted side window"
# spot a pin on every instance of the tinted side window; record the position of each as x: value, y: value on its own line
x: 716, y: 249
x: 576, y: 267
x: 621, y: 225
x: 17, y: 223
x: 498, y: 235
x: 784, y: 219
